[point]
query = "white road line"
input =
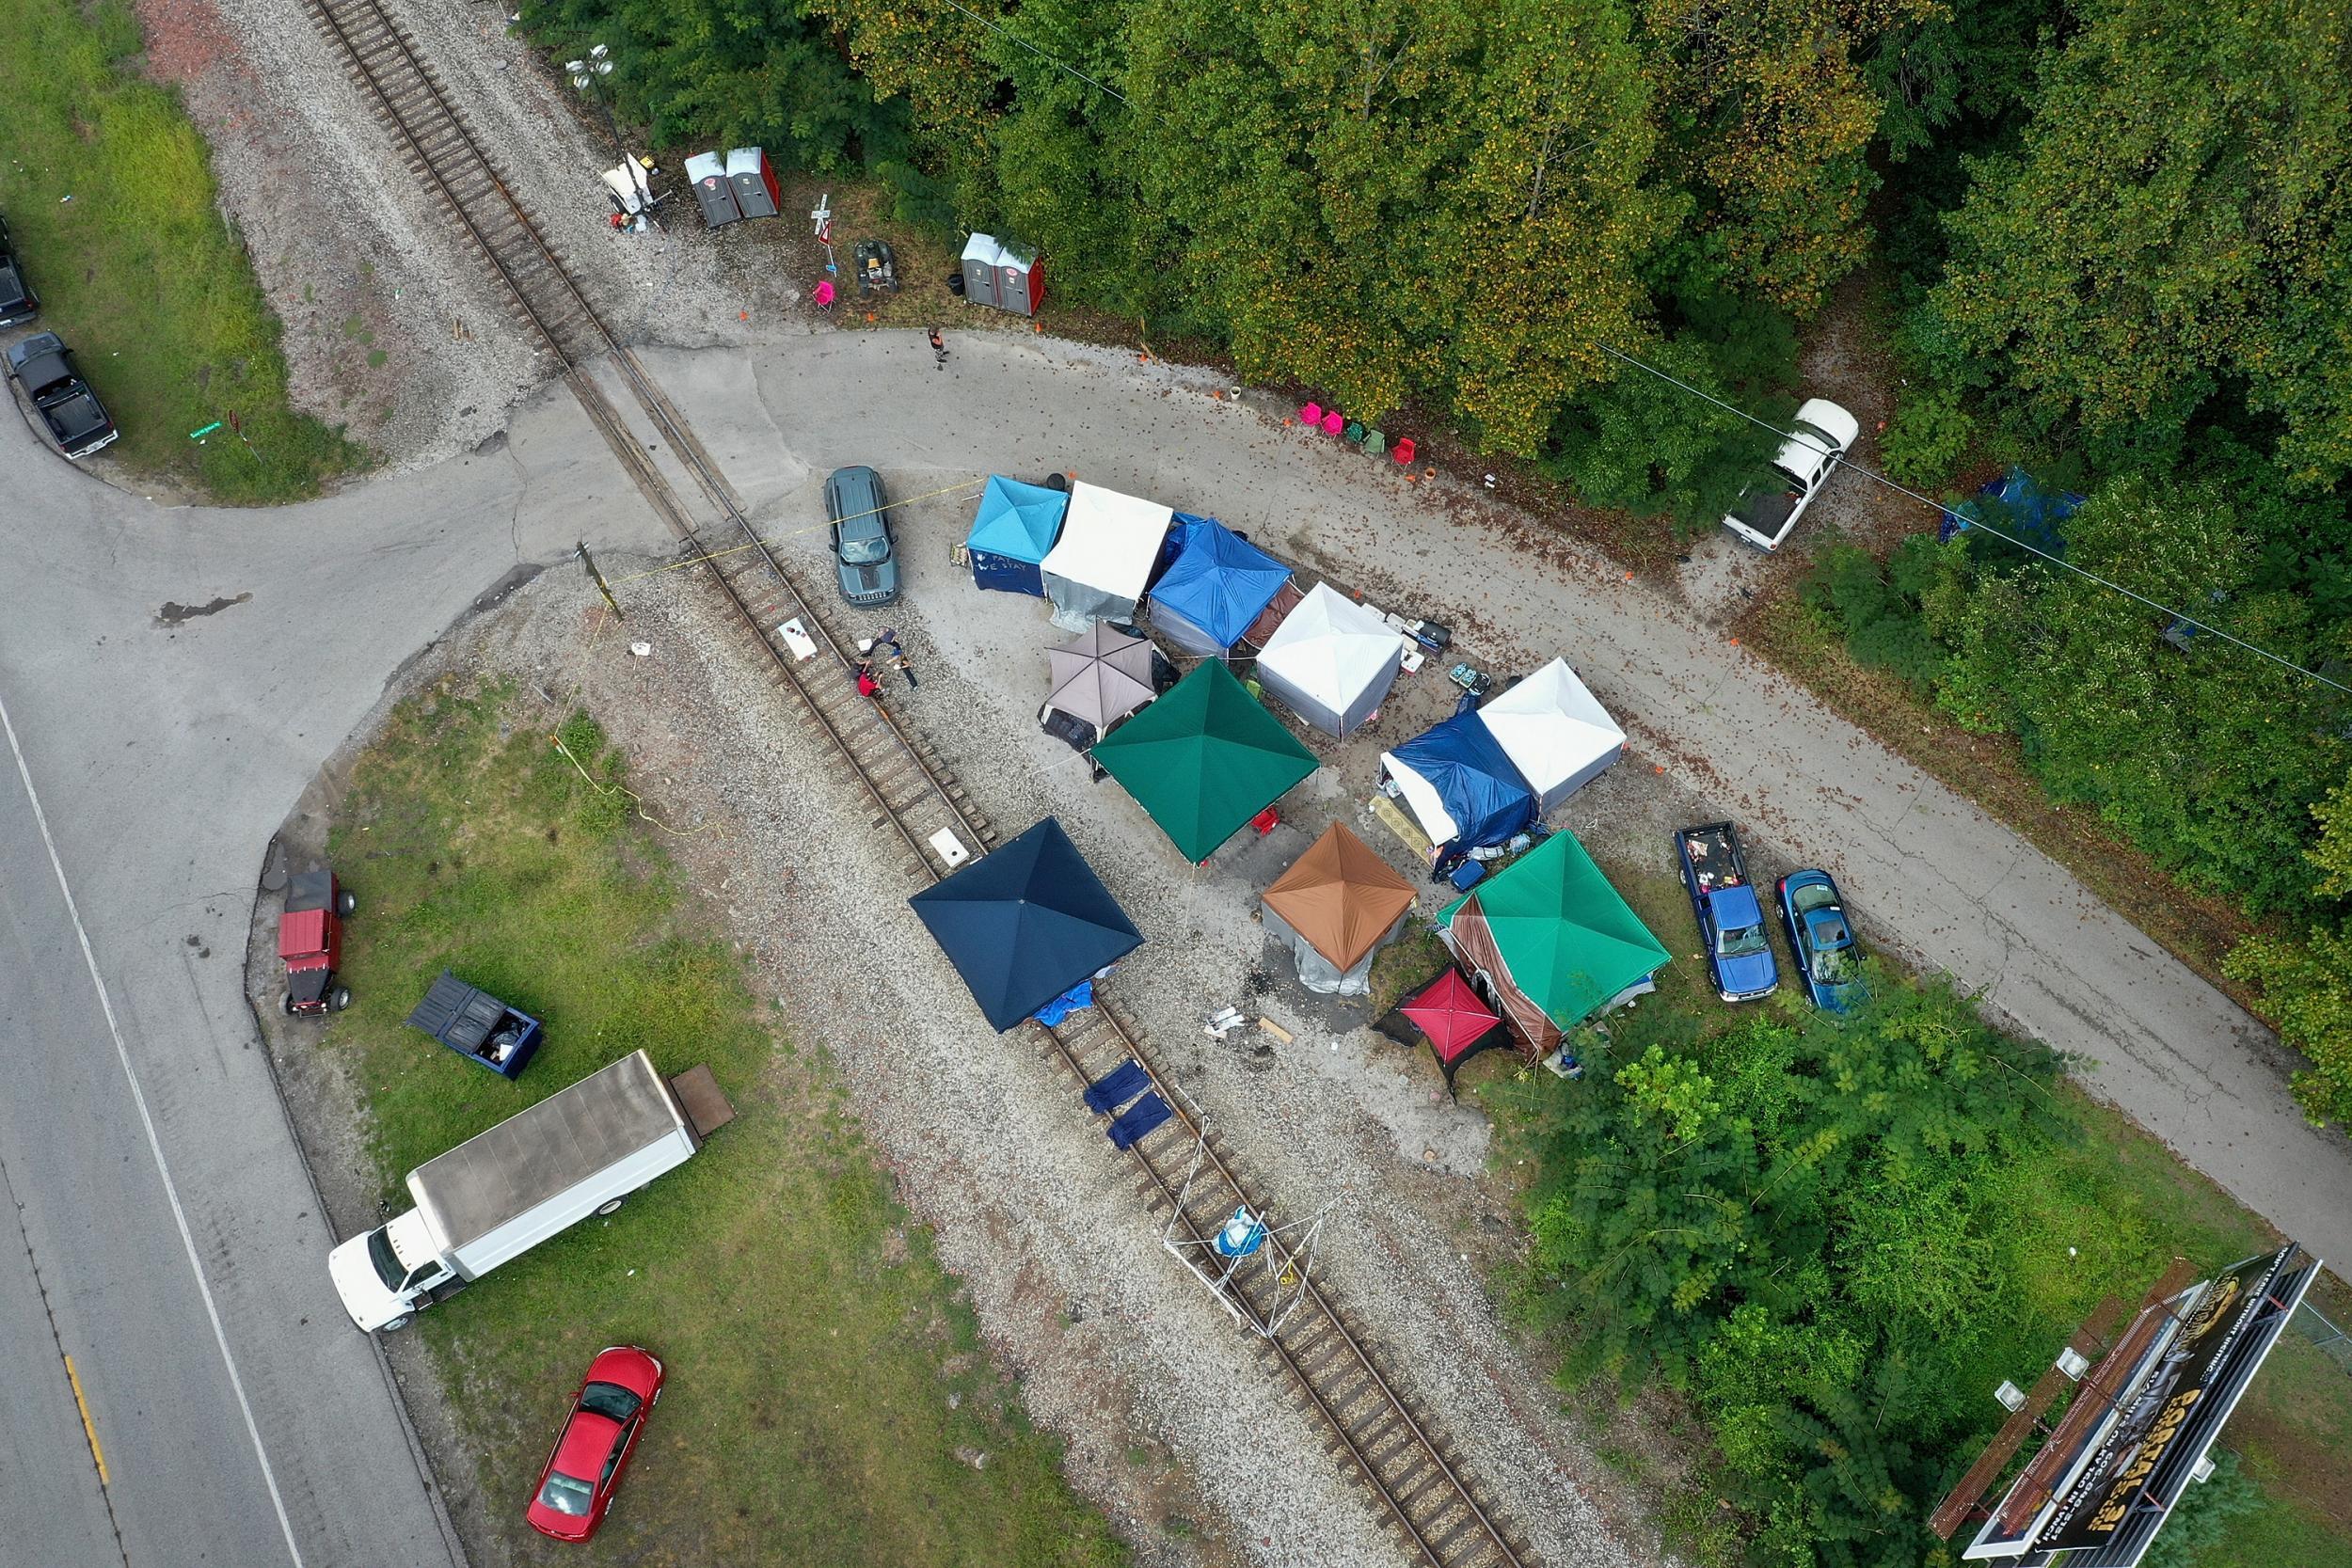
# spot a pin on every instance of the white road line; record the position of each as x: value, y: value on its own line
x: 138, y: 1098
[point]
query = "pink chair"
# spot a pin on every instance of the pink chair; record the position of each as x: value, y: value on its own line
x: 823, y: 293
x: 1333, y: 423
x: 1310, y: 413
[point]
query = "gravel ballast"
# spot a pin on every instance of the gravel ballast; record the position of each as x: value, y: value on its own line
x: 1112, y: 1339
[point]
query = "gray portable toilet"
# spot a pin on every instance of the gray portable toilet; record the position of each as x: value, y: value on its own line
x: 756, y: 189
x: 1020, y: 286
x: 980, y: 254
x: 712, y: 189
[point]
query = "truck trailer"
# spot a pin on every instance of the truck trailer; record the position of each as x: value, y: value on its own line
x: 579, y: 1151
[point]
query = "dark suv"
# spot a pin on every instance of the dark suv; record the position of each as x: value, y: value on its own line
x: 77, y: 420
x: 18, y: 304
x: 865, y: 565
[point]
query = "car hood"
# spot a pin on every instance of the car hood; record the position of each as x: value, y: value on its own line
x: 1750, y: 971
x: 862, y: 583
x: 363, y: 1295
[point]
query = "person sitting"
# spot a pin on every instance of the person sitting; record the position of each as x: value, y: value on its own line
x: 867, y: 685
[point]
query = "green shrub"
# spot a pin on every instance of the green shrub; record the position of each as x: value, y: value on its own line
x: 1929, y: 435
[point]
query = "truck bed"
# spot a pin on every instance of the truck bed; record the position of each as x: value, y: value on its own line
x: 543, y: 1152
x: 1712, y: 854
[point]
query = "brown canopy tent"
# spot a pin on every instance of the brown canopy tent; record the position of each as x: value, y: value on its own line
x: 1336, y: 906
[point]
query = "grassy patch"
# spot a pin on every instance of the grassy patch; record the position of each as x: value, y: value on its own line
x: 139, y: 272
x: 828, y: 1398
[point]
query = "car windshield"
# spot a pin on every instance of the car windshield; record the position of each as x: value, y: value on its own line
x: 1741, y: 940
x: 609, y: 1399
x: 566, y: 1494
x: 865, y: 552
x: 387, y: 1265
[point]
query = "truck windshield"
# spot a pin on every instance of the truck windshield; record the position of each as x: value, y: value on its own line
x: 1741, y: 940
x: 387, y: 1265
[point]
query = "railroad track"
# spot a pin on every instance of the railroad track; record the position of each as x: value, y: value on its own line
x: 1375, y: 1429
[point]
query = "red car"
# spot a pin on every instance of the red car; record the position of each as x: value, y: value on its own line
x: 311, y: 940
x: 591, y: 1454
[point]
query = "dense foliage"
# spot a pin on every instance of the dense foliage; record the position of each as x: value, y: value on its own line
x: 1834, y: 1238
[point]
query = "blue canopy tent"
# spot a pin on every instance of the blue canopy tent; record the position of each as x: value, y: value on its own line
x: 1219, y: 584
x: 1025, y: 924
x: 1460, y: 784
x: 1015, y: 527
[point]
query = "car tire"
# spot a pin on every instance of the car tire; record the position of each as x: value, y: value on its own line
x: 287, y: 1003
x: 611, y: 1205
x: 338, y: 999
x: 394, y: 1326
x: 345, y: 903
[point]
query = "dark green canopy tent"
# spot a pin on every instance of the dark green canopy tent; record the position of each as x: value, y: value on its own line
x: 1204, y: 759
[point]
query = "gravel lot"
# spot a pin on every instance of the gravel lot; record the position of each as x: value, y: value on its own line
x: 1113, y: 1342
x: 358, y: 264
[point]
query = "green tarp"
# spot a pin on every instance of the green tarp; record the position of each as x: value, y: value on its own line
x: 1566, y: 943
x: 1204, y: 759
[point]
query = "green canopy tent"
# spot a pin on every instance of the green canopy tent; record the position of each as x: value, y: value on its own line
x: 1550, y: 943
x: 1204, y: 759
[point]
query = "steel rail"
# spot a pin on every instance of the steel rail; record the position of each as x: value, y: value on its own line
x: 381, y: 54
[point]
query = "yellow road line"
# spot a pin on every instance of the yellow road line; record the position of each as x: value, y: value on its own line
x: 89, y: 1429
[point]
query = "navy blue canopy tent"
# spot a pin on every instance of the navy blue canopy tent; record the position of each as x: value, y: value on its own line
x: 1219, y: 584
x: 1461, y: 784
x: 1025, y: 923
x: 1014, y: 527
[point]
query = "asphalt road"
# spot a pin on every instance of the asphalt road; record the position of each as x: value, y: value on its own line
x: 176, y: 676
x: 242, y: 1420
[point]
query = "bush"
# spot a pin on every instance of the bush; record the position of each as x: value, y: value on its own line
x: 1929, y: 435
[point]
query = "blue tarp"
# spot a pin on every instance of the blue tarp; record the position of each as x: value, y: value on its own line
x: 1025, y: 923
x: 2020, y: 508
x: 1219, y: 584
x: 1015, y: 527
x: 1076, y: 999
x: 1474, y: 778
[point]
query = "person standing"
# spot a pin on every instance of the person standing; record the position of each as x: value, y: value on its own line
x: 939, y: 349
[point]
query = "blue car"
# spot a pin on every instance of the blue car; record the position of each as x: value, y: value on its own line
x: 1822, y: 937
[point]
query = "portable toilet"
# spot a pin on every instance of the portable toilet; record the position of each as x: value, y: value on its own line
x: 980, y: 257
x: 713, y: 189
x: 1020, y: 282
x: 756, y: 189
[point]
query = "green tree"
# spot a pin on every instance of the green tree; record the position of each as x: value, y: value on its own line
x: 2307, y: 985
x: 2206, y: 756
x: 737, y: 72
x: 1770, y: 117
x: 2175, y: 231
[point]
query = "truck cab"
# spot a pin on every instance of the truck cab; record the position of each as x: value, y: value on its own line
x: 386, y: 1276
x: 1730, y: 916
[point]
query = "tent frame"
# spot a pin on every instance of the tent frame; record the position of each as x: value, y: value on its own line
x: 1284, y: 1257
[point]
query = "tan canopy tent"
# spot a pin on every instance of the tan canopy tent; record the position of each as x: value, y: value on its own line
x: 1337, y: 905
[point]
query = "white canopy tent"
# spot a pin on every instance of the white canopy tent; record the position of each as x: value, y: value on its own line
x: 1099, y: 567
x: 1555, y: 733
x: 1331, y: 661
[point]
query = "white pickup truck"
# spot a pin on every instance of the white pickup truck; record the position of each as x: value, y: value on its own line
x: 1767, y: 511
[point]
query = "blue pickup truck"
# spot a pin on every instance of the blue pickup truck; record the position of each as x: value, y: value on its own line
x: 478, y: 1026
x: 1731, y: 919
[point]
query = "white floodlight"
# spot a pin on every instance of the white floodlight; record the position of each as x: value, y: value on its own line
x: 2010, y: 1395
x: 2073, y: 1363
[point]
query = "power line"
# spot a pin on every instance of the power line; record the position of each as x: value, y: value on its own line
x: 2180, y: 616
x: 1033, y: 49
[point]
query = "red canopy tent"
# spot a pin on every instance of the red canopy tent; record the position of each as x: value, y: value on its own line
x: 1457, y: 1024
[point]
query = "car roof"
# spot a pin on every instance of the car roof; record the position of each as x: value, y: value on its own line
x: 587, y: 1439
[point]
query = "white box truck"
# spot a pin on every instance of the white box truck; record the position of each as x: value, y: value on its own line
x: 498, y: 1195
